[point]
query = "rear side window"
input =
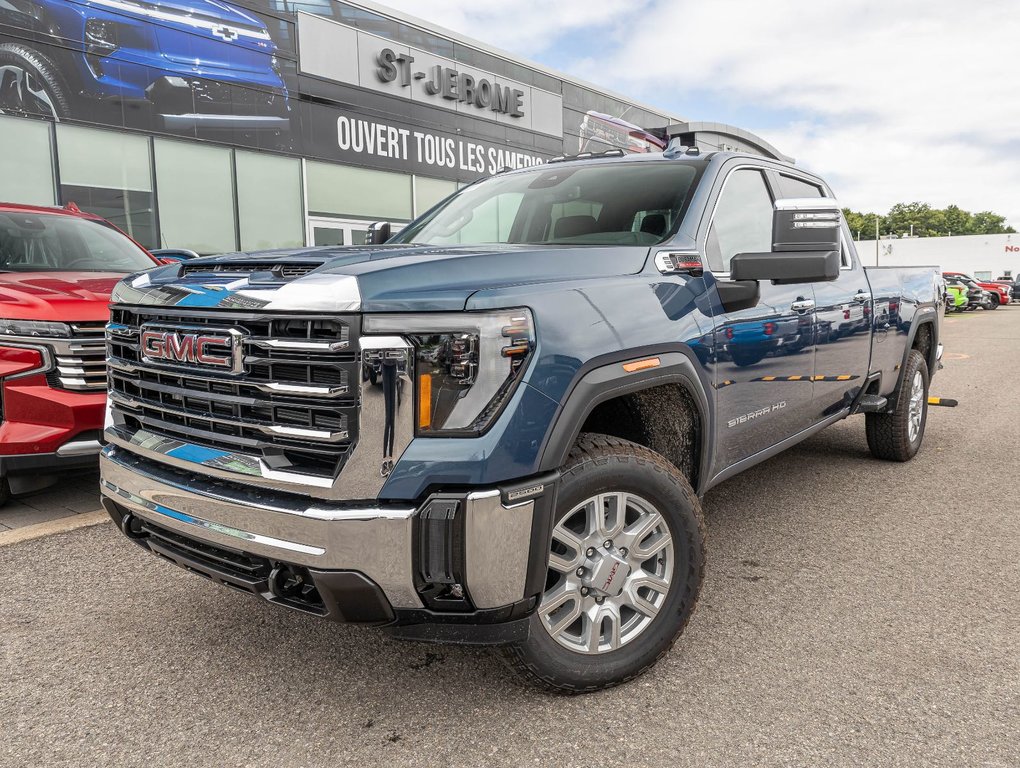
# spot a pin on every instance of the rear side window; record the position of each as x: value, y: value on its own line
x: 743, y: 219
x: 791, y: 187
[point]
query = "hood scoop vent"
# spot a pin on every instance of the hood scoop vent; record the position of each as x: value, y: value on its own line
x: 277, y: 272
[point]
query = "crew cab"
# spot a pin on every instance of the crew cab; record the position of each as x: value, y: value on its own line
x: 174, y: 65
x: 57, y: 269
x: 552, y: 400
x: 1000, y: 294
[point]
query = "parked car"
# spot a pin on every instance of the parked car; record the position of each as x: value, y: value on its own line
x: 977, y: 297
x: 999, y: 294
x: 57, y: 269
x: 538, y: 485
x: 956, y: 296
x: 183, y: 65
x: 1012, y: 287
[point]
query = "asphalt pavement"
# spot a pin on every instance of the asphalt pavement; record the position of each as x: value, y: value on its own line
x: 855, y: 612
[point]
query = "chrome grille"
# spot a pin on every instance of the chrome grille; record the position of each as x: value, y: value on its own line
x: 79, y: 362
x: 295, y: 408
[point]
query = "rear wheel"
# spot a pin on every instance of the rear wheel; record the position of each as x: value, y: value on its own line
x: 897, y: 436
x: 626, y: 563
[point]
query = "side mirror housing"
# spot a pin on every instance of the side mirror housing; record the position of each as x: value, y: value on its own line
x: 805, y: 224
x: 378, y: 232
x: 805, y: 244
x: 786, y: 267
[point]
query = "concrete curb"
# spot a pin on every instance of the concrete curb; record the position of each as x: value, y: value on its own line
x: 51, y: 527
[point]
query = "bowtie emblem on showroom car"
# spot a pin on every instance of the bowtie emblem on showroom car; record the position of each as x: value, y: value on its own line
x: 212, y: 347
x: 226, y: 33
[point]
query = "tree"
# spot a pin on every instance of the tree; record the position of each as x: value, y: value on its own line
x: 988, y: 223
x: 862, y: 225
x: 925, y: 221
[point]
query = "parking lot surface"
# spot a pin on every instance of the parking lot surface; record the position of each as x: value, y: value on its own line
x: 854, y: 612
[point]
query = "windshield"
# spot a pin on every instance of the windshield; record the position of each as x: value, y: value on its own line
x: 35, y: 242
x: 629, y: 203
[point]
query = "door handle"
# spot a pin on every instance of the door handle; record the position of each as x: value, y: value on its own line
x: 862, y: 296
x: 802, y: 305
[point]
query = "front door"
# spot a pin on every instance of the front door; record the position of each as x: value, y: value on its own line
x: 764, y: 355
x: 328, y: 231
x: 844, y: 315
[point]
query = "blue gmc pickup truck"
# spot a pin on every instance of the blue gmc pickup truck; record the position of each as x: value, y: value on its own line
x: 563, y: 360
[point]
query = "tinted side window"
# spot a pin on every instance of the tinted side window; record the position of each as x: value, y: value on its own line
x: 743, y: 219
x: 791, y: 187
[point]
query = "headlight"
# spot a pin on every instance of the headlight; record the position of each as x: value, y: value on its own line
x: 467, y: 365
x: 39, y: 328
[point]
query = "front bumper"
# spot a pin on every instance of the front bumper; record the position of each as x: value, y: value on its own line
x: 390, y: 551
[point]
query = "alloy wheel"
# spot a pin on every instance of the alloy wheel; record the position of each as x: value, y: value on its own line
x: 610, y: 570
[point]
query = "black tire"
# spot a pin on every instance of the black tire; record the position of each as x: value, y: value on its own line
x: 5, y: 491
x: 889, y: 433
x: 21, y: 66
x: 993, y: 303
x: 746, y: 357
x: 603, y: 464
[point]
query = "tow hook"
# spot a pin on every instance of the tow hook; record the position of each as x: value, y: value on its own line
x: 131, y: 527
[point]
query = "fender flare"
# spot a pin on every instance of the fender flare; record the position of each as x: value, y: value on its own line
x: 603, y: 378
x: 923, y: 316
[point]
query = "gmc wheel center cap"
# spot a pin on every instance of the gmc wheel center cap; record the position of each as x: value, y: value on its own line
x: 608, y: 573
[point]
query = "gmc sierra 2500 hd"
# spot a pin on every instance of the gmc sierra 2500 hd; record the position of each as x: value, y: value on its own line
x: 565, y: 359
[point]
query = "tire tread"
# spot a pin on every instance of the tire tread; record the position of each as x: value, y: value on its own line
x: 592, y: 448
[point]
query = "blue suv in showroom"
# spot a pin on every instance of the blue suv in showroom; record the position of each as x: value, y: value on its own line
x: 183, y: 66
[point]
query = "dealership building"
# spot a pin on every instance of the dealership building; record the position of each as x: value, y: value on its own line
x: 253, y: 124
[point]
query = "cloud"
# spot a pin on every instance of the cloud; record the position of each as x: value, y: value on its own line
x: 892, y: 102
x: 522, y: 27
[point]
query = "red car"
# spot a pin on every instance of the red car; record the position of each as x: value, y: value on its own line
x: 57, y: 268
x: 999, y: 292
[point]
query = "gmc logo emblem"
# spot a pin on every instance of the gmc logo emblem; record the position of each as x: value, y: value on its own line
x: 193, y: 346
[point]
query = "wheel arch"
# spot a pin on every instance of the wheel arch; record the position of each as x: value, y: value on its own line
x: 629, y: 404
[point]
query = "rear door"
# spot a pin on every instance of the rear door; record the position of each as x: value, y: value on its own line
x: 844, y: 316
x: 764, y: 355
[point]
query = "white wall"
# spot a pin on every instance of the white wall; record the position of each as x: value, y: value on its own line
x: 970, y: 253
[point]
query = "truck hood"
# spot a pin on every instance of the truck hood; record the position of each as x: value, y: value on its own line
x: 383, y: 278
x: 61, y: 296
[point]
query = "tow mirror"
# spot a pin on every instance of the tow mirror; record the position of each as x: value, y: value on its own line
x: 378, y: 232
x: 805, y: 224
x: 805, y: 244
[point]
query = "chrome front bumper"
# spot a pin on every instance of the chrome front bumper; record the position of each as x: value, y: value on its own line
x: 377, y: 541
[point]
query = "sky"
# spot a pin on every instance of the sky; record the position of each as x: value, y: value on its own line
x: 892, y: 101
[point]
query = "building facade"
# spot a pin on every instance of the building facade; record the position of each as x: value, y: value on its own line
x: 253, y: 124
x: 984, y: 257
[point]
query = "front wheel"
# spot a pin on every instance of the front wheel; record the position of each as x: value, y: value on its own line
x: 897, y: 436
x: 625, y: 567
x: 30, y: 84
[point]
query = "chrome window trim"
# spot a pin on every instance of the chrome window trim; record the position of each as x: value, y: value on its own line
x: 762, y: 169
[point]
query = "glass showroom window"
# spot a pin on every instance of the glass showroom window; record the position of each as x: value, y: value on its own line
x: 428, y: 192
x: 26, y: 171
x: 338, y: 190
x: 269, y: 201
x: 196, y: 197
x: 108, y: 173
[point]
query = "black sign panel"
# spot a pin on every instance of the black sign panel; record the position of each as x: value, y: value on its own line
x: 228, y: 72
